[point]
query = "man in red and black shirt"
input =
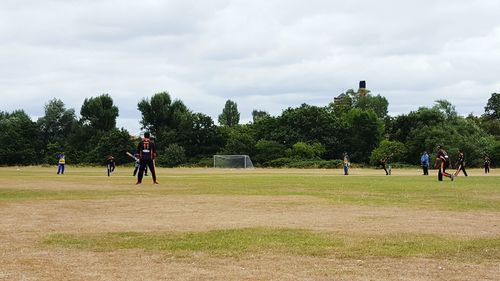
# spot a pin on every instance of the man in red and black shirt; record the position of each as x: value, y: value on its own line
x: 147, y: 155
x: 443, y: 160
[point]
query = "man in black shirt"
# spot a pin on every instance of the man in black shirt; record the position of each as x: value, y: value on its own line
x: 147, y: 155
x: 461, y: 163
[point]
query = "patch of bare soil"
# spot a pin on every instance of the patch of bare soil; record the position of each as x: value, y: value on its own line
x: 24, y: 223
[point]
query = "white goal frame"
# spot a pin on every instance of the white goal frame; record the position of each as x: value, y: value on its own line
x: 246, y: 162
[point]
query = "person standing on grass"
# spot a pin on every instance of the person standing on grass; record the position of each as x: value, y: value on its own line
x: 111, y: 164
x: 147, y: 155
x: 461, y: 163
x: 487, y: 162
x: 346, y: 164
x: 443, y: 160
x: 60, y: 163
x: 424, y: 160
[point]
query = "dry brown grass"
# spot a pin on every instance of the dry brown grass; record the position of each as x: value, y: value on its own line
x: 23, y: 224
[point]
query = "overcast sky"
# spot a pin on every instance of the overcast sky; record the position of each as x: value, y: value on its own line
x: 263, y: 54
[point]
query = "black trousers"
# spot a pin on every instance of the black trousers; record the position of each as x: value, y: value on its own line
x: 385, y: 169
x: 137, y: 168
x: 149, y: 163
x: 425, y: 168
x: 486, y: 168
x: 461, y: 167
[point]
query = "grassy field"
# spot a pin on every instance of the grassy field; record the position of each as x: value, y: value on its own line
x: 276, y: 224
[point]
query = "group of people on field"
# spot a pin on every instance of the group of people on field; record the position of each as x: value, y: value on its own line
x: 146, y: 154
x: 443, y: 162
x: 144, y: 159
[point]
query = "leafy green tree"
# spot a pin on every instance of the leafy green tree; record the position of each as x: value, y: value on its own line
x: 230, y: 116
x: 491, y: 126
x: 173, y: 155
x: 495, y: 154
x: 19, y: 142
x: 376, y: 103
x: 266, y: 150
x: 115, y: 142
x: 490, y: 120
x: 79, y: 143
x: 161, y: 114
x: 394, y: 150
x: 306, y: 123
x: 447, y: 109
x: 258, y: 115
x: 57, y: 123
x: 240, y: 140
x: 402, y: 125
x: 365, y: 133
x: 55, y: 128
x: 99, y: 113
x: 426, y: 128
x: 203, y: 138
x: 341, y: 105
x: 156, y: 112
x: 492, y: 108
x: 302, y: 150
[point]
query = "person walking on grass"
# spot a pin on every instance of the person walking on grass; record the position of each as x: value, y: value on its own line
x: 147, y: 155
x: 424, y: 160
x: 461, y: 163
x: 383, y: 162
x: 443, y: 160
x: 111, y: 164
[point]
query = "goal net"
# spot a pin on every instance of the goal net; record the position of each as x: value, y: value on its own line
x: 233, y: 161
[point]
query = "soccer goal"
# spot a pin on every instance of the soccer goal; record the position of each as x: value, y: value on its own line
x: 233, y: 162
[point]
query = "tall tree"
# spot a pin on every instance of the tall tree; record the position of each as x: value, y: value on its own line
x: 57, y: 123
x: 203, y: 139
x: 169, y: 122
x: 492, y: 109
x: 365, y: 131
x: 377, y: 103
x: 19, y: 143
x: 160, y: 113
x: 230, y: 115
x: 99, y: 113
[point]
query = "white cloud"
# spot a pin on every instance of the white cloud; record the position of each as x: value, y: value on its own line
x: 266, y: 55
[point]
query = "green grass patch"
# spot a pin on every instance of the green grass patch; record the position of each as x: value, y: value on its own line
x: 234, y: 242
x: 247, y: 241
x: 418, y: 192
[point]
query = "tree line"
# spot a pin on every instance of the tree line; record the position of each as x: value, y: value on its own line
x: 304, y: 136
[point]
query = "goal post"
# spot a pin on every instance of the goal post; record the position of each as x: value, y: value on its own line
x: 233, y: 162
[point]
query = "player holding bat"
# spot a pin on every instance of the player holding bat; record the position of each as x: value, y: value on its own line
x: 137, y: 163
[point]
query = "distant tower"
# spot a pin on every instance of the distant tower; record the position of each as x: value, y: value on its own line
x: 362, y: 88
